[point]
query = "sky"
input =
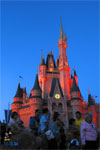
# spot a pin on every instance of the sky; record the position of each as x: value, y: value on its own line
x: 29, y: 26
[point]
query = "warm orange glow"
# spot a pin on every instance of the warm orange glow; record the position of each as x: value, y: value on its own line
x: 46, y: 74
x: 51, y: 64
x: 57, y: 96
x: 50, y: 69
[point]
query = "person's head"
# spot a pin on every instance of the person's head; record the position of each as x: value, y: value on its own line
x: 72, y: 122
x: 14, y: 115
x: 55, y: 116
x: 74, y: 144
x: 78, y: 115
x: 37, y: 112
x: 45, y: 111
x: 88, y: 117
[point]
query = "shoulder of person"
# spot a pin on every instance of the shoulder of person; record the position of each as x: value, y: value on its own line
x: 83, y: 122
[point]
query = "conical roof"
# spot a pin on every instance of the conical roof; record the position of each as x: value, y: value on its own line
x: 36, y: 85
x: 50, y: 55
x: 75, y: 73
x: 75, y: 87
x: 19, y: 92
x: 42, y: 60
x: 71, y: 75
x: 53, y: 86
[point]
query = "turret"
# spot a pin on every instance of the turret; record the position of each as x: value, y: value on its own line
x: 36, y: 90
x: 36, y: 94
x: 76, y: 77
x: 63, y: 64
x: 75, y: 92
x: 42, y: 73
x: 18, y: 99
x: 76, y: 99
x: 42, y: 60
x: 42, y: 69
x: 50, y: 62
x: 62, y: 44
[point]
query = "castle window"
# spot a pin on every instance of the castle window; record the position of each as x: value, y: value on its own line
x: 51, y: 64
x: 50, y: 69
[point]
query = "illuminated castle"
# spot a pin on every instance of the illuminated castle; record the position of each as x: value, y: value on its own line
x: 54, y: 89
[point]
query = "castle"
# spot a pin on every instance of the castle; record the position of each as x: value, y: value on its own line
x: 55, y: 89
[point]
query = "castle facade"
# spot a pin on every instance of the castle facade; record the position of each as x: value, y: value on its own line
x: 56, y: 89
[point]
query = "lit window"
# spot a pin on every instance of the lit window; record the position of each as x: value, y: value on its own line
x: 51, y: 64
x: 50, y: 69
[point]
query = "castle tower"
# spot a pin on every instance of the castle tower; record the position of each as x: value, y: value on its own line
x: 76, y: 100
x: 35, y: 97
x: 42, y: 74
x: 63, y: 64
x: 18, y: 99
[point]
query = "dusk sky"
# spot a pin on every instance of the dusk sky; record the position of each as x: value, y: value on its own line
x: 28, y: 27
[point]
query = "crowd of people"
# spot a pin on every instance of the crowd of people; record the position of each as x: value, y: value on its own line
x: 45, y: 132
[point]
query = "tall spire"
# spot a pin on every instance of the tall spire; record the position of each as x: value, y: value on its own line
x: 64, y: 37
x: 61, y: 30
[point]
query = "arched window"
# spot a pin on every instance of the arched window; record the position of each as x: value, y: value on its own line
x: 50, y: 69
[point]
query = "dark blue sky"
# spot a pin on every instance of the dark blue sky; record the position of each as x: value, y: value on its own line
x: 28, y: 27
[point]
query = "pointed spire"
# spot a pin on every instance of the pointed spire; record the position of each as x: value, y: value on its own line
x: 19, y: 92
x: 90, y: 100
x: 75, y: 72
x: 61, y: 30
x: 36, y: 85
x: 42, y: 59
x: 71, y: 74
x: 65, y: 37
x: 75, y: 87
